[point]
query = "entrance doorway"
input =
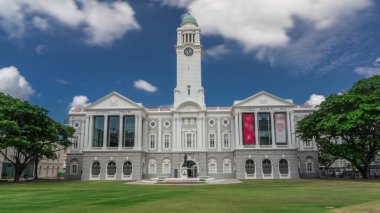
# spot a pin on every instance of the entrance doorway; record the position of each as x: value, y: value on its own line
x: 192, y: 169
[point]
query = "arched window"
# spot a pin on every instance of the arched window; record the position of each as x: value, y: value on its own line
x: 166, y: 166
x: 267, y: 167
x: 309, y: 165
x: 283, y: 167
x: 212, y: 165
x: 227, y: 167
x: 152, y: 166
x: 95, y: 168
x: 74, y: 166
x: 250, y: 167
x: 127, y: 168
x: 111, y: 168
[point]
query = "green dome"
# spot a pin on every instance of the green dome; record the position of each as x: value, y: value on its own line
x: 189, y: 19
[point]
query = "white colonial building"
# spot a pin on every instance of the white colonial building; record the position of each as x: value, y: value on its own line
x: 119, y: 139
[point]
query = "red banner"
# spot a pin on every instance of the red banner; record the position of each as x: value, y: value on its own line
x: 248, y: 128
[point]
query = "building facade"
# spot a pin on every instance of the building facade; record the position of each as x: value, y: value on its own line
x: 119, y: 139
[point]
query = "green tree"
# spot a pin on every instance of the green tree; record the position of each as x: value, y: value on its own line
x: 347, y: 125
x: 326, y: 159
x: 30, y: 132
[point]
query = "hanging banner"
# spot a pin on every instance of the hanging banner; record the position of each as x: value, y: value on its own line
x: 280, y: 127
x: 248, y: 128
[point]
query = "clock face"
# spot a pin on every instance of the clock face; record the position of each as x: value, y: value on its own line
x: 188, y: 51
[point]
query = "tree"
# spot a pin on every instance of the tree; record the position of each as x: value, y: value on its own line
x: 347, y: 125
x: 326, y: 159
x: 30, y: 132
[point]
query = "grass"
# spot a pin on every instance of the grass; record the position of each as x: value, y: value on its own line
x: 250, y: 196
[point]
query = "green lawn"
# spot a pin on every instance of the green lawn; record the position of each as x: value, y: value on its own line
x: 250, y: 196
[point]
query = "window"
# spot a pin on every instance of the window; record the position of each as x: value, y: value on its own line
x: 152, y: 166
x: 95, y: 168
x: 283, y: 167
x: 152, y: 144
x: 166, y: 166
x: 188, y: 140
x: 152, y: 124
x: 280, y: 127
x: 52, y: 170
x: 226, y: 140
x: 166, y: 141
x: 98, y: 131
x: 226, y: 122
x: 227, y: 167
x: 212, y: 140
x: 265, y: 132
x: 127, y: 168
x: 309, y: 165
x: 75, y: 142
x: 129, y: 131
x: 211, y: 122
x: 74, y: 166
x: 188, y: 90
x: 47, y: 171
x: 111, y: 168
x: 267, y: 167
x: 250, y: 167
x: 212, y: 166
x: 113, y: 131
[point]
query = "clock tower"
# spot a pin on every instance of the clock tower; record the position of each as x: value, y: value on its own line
x: 189, y: 53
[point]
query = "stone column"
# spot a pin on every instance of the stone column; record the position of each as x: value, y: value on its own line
x: 257, y: 139
x: 140, y: 132
x: 174, y: 134
x: 179, y: 133
x: 272, y: 130
x: 90, y: 131
x: 86, y: 132
x: 236, y: 132
x: 136, y: 129
x: 219, y: 137
x: 159, y: 136
x: 240, y: 130
x: 105, y: 132
x: 291, y: 130
x: 199, y: 134
x: 121, y: 132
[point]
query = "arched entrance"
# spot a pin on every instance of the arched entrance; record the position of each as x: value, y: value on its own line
x: 192, y: 169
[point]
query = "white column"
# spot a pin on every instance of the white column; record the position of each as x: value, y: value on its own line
x: 219, y: 137
x: 240, y: 130
x: 272, y: 130
x: 159, y: 136
x: 105, y: 131
x: 140, y: 132
x: 82, y: 133
x: 204, y: 133
x: 236, y: 132
x: 90, y: 131
x: 86, y: 131
x: 291, y: 130
x: 121, y: 132
x: 174, y: 134
x: 257, y: 139
x: 146, y: 133
x: 199, y: 134
x: 179, y: 135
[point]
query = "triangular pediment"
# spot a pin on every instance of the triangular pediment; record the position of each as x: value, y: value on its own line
x: 263, y: 99
x: 114, y: 101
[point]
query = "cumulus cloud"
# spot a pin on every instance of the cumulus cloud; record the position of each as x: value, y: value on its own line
x: 146, y: 86
x: 368, y: 71
x: 315, y: 100
x: 79, y: 102
x: 14, y: 84
x: 216, y: 51
x: 256, y: 23
x: 101, y: 21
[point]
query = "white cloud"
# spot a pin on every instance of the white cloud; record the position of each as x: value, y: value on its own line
x: 40, y: 49
x: 256, y: 23
x: 368, y: 71
x: 79, y: 102
x: 175, y: 3
x: 146, y: 86
x: 63, y: 82
x: 216, y: 51
x: 14, y: 84
x: 315, y: 100
x: 102, y: 21
x: 41, y: 23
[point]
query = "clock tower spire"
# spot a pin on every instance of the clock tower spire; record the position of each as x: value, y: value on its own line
x: 189, y: 54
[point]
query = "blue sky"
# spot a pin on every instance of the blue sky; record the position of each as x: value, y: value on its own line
x: 52, y: 52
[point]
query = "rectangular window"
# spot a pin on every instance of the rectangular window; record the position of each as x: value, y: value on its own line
x: 226, y: 140
x: 265, y: 131
x: 166, y: 168
x: 166, y: 141
x: 75, y: 142
x: 212, y: 168
x: 280, y: 127
x: 212, y: 140
x: 309, y: 167
x: 152, y: 142
x: 129, y: 131
x: 113, y: 131
x: 188, y: 90
x: 188, y: 140
x: 98, y: 131
x: 248, y: 128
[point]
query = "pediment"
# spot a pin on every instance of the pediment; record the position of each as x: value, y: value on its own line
x: 263, y: 99
x: 114, y: 101
x: 188, y: 107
